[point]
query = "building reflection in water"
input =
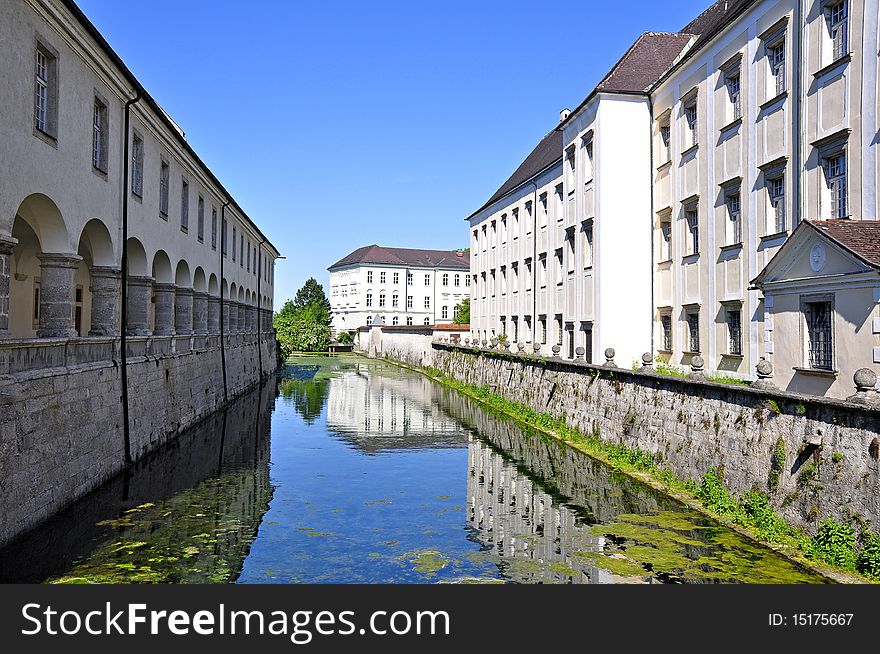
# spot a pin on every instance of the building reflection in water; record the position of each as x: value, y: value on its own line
x: 186, y: 513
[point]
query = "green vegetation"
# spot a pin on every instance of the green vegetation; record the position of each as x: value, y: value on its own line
x: 777, y: 464
x: 751, y: 511
x: 462, y: 313
x: 345, y: 338
x: 303, y: 324
x: 837, y: 457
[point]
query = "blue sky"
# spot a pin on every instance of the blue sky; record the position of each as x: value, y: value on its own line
x: 340, y: 124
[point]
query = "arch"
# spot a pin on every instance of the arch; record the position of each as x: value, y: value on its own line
x: 233, y: 292
x: 44, y: 218
x: 199, y: 283
x: 162, y: 268
x: 96, y: 244
x: 137, y: 258
x: 213, y: 286
x: 247, y: 297
x: 225, y: 289
x: 241, y: 294
x: 182, y: 277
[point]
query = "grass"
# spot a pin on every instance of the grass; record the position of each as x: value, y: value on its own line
x: 751, y: 512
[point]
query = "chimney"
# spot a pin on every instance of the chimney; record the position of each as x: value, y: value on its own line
x: 565, y: 113
x: 459, y: 253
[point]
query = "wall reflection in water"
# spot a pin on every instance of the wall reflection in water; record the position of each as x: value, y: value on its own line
x: 186, y: 513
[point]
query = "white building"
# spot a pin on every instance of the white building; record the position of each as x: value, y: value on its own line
x: 675, y: 182
x: 74, y: 121
x: 376, y: 285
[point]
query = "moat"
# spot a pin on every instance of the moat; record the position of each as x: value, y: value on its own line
x: 351, y: 470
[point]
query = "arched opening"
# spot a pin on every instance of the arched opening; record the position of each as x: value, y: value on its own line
x: 137, y: 259
x: 39, y: 229
x: 200, y: 285
x: 162, y: 268
x: 162, y: 306
x: 96, y: 287
x: 213, y: 287
x: 182, y: 277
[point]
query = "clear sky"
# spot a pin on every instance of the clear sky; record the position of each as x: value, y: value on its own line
x: 341, y: 124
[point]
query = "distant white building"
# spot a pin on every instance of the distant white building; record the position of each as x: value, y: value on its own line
x: 376, y: 285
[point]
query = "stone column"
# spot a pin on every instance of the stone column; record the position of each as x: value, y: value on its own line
x: 6, y: 245
x: 140, y: 292
x: 164, y: 310
x: 231, y: 317
x: 252, y: 319
x: 213, y: 314
x: 105, y: 300
x: 183, y: 311
x: 57, y: 283
x: 200, y: 312
x: 242, y: 318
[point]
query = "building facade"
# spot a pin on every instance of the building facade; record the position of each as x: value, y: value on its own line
x: 95, y: 174
x: 376, y: 285
x: 677, y: 180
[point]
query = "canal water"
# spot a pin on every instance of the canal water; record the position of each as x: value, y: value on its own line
x: 356, y: 471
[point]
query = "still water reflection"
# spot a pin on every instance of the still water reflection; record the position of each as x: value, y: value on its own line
x: 374, y: 474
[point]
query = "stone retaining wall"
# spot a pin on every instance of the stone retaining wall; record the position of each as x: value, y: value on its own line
x: 831, y: 447
x: 61, y: 425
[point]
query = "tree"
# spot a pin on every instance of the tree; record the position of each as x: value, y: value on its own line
x: 303, y: 324
x: 462, y: 314
x: 345, y: 338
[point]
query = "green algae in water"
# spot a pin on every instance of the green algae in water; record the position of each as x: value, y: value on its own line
x: 427, y: 562
x: 622, y: 567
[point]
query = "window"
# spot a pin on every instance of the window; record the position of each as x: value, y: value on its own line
x: 467, y: 280
x: 444, y: 312
x: 248, y: 256
x: 665, y: 143
x: 35, y: 313
x: 834, y: 168
x: 184, y: 206
x: 587, y: 230
x: 503, y: 280
x: 494, y: 234
x: 213, y: 228
x: 233, y: 242
x: 542, y: 211
x: 369, y: 299
x: 504, y: 229
x: 542, y: 278
x: 776, y: 66
x: 514, y: 225
x: 560, y: 273
x: 666, y: 328
x: 409, y: 301
x: 382, y: 277
x: 45, y: 91
x: 409, y: 320
x: 396, y: 278
x: 394, y: 300
x: 514, y: 276
x: 690, y: 115
x: 570, y: 167
x: 836, y: 21
x: 395, y: 320
x: 201, y: 223
x: 734, y: 330
x: 456, y: 283
x: 137, y: 165
x: 588, y: 160
x: 542, y: 328
x: 734, y: 105
x: 409, y: 278
x: 528, y: 217
x: 528, y: 263
x: 427, y: 321
x: 776, y: 213
x: 369, y: 320
x: 99, y: 136
x: 693, y: 226
x: 382, y: 299
x: 223, y: 236
x: 559, y: 208
x: 819, y: 333
x: 427, y: 280
x: 164, y: 181
x: 559, y: 333
x: 692, y: 321
x: 241, y: 252
x: 445, y: 279
x: 427, y: 302
x: 665, y: 239
x: 734, y: 219
x: 369, y: 277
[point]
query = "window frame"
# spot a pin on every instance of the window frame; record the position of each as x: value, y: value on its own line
x: 692, y: 338
x: 100, y: 135
x: 808, y: 360
x: 734, y: 345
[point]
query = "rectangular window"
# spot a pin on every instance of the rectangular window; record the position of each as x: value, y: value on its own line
x: 836, y: 21
x: 542, y: 327
x: 248, y: 256
x: 369, y: 299
x: 665, y: 143
x: 560, y: 272
x: 394, y: 300
x: 427, y: 302
x: 693, y: 329
x: 234, y: 243
x: 382, y: 277
x: 444, y: 312
x: 542, y: 211
x: 99, y: 136
x: 734, y: 219
x: 369, y: 277
x: 776, y: 64
x: 587, y: 229
x: 588, y: 160
x: 834, y: 168
x: 445, y: 279
x: 201, y: 219
x: 776, y: 214
x: 381, y: 300
x: 734, y: 331
x: 137, y: 166
x: 45, y: 91
x: 666, y: 328
x: 693, y: 225
x: 528, y: 218
x: 427, y: 280
x: 570, y: 167
x: 241, y: 252
x: 690, y: 114
x: 665, y: 239
x: 164, y: 180
x: 559, y: 203
x: 514, y: 225
x: 819, y: 334
x: 223, y: 234
x: 396, y: 278
x: 409, y: 301
x: 213, y: 228
x: 184, y: 206
x: 731, y: 81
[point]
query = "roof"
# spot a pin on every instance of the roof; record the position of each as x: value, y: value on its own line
x: 406, y: 257
x: 861, y: 238
x: 140, y: 91
x: 643, y: 64
x: 716, y: 17
x: 547, y: 153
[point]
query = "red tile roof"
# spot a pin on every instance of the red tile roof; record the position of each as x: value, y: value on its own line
x: 861, y: 237
x: 406, y: 257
